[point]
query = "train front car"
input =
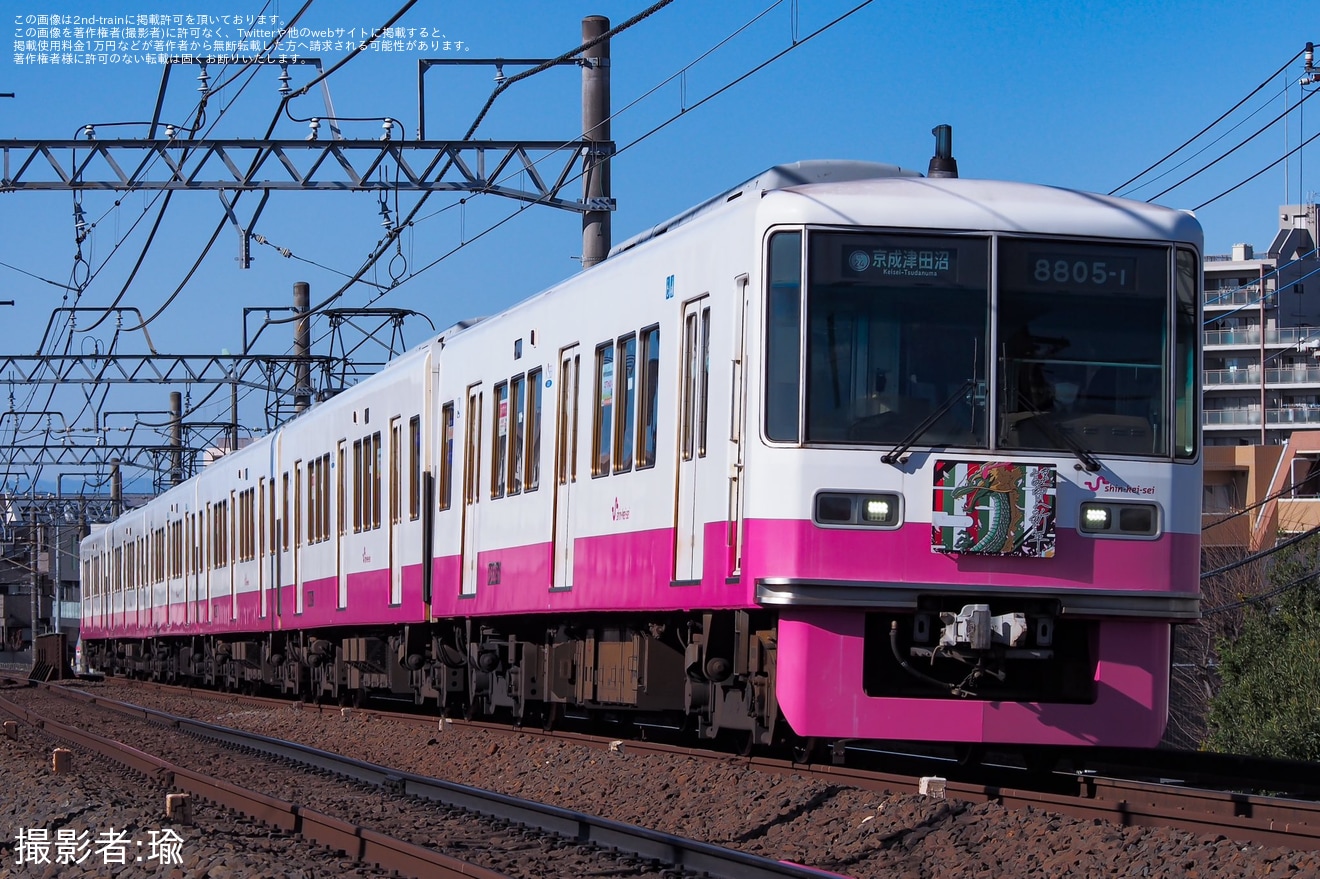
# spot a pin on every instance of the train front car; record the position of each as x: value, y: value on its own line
x: 976, y: 500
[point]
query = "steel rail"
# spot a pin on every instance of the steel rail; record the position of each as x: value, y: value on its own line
x: 1246, y: 818
x: 359, y: 843
x: 688, y: 854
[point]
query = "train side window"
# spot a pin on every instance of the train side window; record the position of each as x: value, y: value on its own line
x: 325, y: 496
x: 313, y: 501
x: 625, y: 422
x: 532, y: 477
x: 376, y: 456
x: 567, y: 437
x: 783, y: 342
x: 357, y: 486
x: 447, y: 456
x: 415, y: 467
x: 1187, y: 330
x: 649, y: 398
x: 396, y: 470
x: 261, y: 512
x: 687, y: 404
x: 219, y: 525
x: 341, y: 486
x: 499, y: 449
x: 703, y: 384
x: 271, y: 544
x: 284, y: 518
x: 600, y: 453
x: 297, y: 503
x: 517, y: 432
x: 472, y: 450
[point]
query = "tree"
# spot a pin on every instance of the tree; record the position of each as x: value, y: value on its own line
x: 1268, y: 702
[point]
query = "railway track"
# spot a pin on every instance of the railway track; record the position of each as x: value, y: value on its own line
x: 499, y: 835
x: 1217, y: 805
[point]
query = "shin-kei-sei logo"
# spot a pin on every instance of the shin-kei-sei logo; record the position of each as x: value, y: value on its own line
x: 1101, y: 485
x: 618, y: 513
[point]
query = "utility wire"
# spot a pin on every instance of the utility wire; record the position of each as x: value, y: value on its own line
x: 1261, y: 171
x: 1257, y: 133
x: 1256, y: 556
x: 1194, y: 137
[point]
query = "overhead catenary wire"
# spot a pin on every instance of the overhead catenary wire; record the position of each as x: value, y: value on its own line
x: 800, y: 42
x: 388, y: 241
x: 78, y: 290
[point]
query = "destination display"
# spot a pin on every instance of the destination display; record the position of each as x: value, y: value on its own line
x: 899, y: 260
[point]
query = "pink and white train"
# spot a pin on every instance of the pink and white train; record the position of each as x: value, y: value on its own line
x: 844, y: 453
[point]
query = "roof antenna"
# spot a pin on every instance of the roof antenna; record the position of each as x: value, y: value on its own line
x: 943, y: 164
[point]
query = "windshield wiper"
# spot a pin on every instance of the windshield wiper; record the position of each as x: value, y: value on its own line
x: 1059, y: 436
x: 894, y: 454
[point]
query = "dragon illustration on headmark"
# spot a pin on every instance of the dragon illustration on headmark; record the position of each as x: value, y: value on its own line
x: 993, y: 508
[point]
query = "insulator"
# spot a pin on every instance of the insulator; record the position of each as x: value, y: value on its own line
x: 315, y: 125
x: 204, y: 78
x: 284, y: 80
x: 499, y: 74
x: 90, y: 132
x: 170, y: 132
x: 388, y: 125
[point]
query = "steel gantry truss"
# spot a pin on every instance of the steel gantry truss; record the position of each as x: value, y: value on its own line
x: 169, y: 159
x: 529, y: 171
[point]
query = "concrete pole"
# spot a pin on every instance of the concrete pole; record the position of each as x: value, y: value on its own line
x: 596, y: 130
x: 35, y: 534
x: 57, y: 593
x: 176, y: 437
x: 302, y: 344
x: 233, y: 408
x: 116, y: 489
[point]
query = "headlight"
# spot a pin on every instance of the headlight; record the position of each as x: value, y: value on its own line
x: 1130, y: 520
x: 847, y: 510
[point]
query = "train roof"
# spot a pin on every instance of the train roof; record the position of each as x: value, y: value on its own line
x: 814, y: 171
x: 981, y: 205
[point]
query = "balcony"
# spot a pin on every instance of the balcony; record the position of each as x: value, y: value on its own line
x: 1251, y: 336
x: 1217, y: 378
x: 1231, y: 418
x: 1250, y: 377
x: 1235, y: 297
x: 1298, y: 414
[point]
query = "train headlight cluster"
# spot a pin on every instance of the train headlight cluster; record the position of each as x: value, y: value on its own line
x: 855, y: 510
x: 1128, y: 520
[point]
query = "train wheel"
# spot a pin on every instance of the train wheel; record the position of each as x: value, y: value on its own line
x: 805, y: 749
x: 551, y: 715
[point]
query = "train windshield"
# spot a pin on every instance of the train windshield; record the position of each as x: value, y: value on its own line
x: 914, y: 340
x: 896, y: 330
x: 1083, y: 347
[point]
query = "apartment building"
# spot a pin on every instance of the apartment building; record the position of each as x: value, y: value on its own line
x: 1262, y: 337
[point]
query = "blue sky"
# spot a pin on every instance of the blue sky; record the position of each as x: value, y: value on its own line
x: 1077, y: 94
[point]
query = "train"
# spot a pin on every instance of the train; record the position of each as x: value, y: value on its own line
x: 847, y: 452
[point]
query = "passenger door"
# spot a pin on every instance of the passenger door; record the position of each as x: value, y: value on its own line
x: 693, y: 463
x: 566, y: 442
x: 471, y: 489
x: 395, y: 533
